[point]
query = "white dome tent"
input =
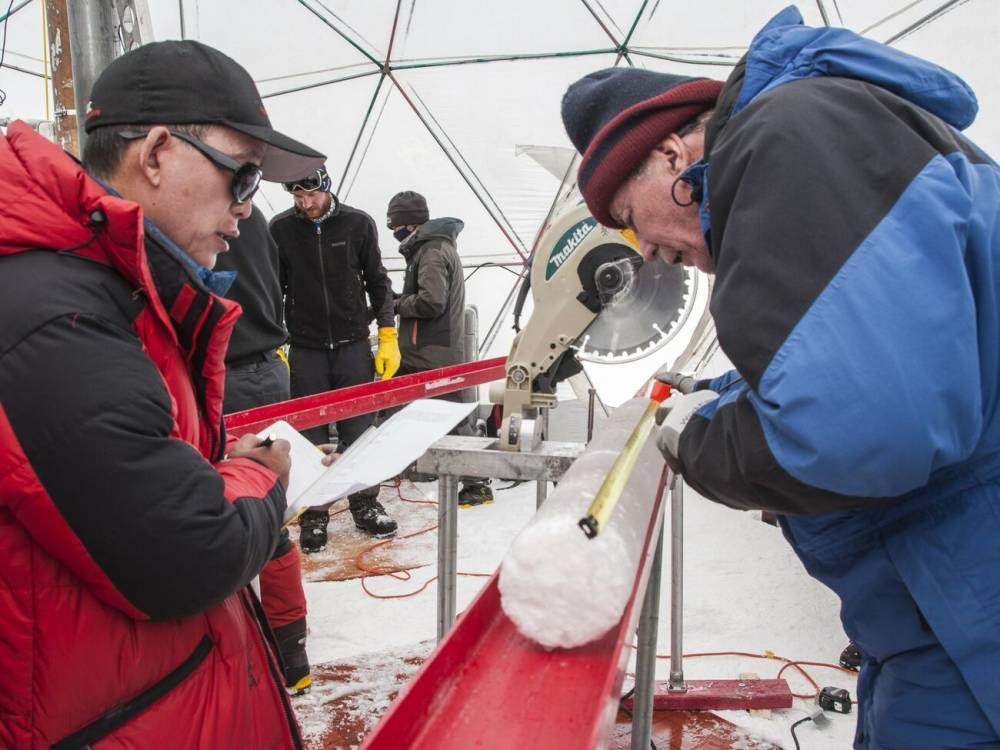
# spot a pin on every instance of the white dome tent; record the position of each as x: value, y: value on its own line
x: 446, y: 97
x: 460, y: 101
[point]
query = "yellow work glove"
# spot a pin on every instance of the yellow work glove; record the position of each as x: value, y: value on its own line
x: 283, y: 354
x: 387, y: 355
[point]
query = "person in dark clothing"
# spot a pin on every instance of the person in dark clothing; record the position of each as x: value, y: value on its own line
x: 256, y: 374
x: 431, y: 307
x: 334, y: 284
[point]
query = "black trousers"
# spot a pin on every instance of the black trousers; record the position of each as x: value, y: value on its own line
x: 256, y: 381
x: 319, y: 370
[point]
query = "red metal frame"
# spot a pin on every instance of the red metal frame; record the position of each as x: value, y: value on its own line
x: 487, y: 686
x: 310, y: 411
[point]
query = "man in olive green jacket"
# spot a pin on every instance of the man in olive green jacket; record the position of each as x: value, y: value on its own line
x: 431, y: 307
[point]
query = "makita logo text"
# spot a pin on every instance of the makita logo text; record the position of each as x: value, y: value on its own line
x: 567, y: 244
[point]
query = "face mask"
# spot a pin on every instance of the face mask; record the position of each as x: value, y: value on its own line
x: 401, y: 234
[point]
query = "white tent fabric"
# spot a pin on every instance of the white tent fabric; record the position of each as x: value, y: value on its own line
x: 437, y: 96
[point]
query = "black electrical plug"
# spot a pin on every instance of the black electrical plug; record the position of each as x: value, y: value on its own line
x: 834, y: 699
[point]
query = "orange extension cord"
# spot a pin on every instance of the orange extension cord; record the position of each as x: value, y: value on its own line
x: 400, y: 574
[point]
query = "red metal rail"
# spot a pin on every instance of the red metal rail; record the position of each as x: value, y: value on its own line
x: 310, y: 411
x: 488, y: 687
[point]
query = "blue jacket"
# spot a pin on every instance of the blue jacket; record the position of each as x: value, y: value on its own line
x: 856, y: 241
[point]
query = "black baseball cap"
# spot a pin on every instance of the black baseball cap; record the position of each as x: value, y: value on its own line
x: 187, y: 82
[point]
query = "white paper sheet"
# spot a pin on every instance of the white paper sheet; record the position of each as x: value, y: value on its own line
x: 379, y: 454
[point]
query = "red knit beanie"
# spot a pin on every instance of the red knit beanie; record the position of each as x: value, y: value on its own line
x: 615, y: 117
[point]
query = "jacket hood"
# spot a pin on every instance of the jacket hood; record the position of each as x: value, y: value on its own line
x: 445, y: 228
x: 50, y: 203
x: 786, y: 50
x: 49, y: 200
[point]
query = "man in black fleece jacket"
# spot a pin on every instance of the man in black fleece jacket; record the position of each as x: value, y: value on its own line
x: 334, y: 284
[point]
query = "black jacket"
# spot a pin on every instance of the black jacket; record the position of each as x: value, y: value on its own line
x: 254, y: 258
x: 432, y: 306
x: 327, y: 269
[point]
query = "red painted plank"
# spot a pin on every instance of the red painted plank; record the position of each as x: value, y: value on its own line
x: 331, y: 406
x: 722, y: 694
x: 488, y: 687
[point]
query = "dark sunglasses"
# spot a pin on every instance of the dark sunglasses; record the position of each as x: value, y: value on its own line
x: 246, y: 176
x: 309, y: 184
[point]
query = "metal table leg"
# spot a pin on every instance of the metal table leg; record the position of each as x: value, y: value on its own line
x: 447, y: 551
x: 645, y: 660
x: 677, y: 585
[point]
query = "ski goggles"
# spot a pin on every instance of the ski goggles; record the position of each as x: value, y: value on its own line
x: 246, y: 176
x: 309, y: 184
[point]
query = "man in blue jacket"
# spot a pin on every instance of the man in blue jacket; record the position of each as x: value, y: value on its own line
x: 854, y: 236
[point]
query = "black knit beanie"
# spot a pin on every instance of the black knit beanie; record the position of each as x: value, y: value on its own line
x: 407, y: 207
x: 616, y: 116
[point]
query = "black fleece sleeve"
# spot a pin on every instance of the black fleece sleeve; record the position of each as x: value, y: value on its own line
x: 140, y: 516
x: 378, y: 285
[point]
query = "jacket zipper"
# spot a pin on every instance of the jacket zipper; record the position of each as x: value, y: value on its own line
x: 253, y: 607
x: 118, y: 716
x: 326, y: 294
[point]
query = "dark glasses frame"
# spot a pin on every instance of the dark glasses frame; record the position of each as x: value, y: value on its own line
x: 246, y: 176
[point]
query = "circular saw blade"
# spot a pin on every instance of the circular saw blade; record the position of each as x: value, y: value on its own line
x: 643, y: 318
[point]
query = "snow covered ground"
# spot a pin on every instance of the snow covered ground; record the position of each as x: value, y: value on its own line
x: 744, y: 591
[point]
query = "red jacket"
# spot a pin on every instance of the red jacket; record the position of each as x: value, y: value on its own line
x: 123, y: 532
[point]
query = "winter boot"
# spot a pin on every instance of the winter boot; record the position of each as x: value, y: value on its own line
x: 369, y: 515
x: 850, y: 657
x: 294, y: 661
x: 475, y: 493
x: 312, y: 531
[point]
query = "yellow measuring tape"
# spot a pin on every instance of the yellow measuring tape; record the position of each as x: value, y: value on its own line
x: 614, y: 483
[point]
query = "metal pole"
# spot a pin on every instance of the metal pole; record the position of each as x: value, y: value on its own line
x: 591, y: 397
x: 677, y: 585
x: 645, y: 659
x: 823, y: 13
x: 447, y: 551
x: 92, y: 46
x: 61, y: 67
x: 542, y: 485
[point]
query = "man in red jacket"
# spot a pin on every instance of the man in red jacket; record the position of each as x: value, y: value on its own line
x: 129, y: 526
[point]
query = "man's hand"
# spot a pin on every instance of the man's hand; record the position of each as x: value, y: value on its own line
x: 673, y: 416
x: 387, y: 357
x: 274, y: 456
x: 677, y: 380
x: 331, y: 453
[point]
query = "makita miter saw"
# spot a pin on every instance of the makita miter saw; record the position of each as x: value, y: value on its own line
x: 594, y: 300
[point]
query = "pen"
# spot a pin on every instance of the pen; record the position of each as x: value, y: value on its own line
x: 267, y: 442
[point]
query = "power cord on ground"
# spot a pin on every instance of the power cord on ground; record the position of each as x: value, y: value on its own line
x: 817, y: 717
